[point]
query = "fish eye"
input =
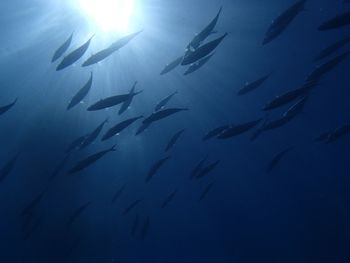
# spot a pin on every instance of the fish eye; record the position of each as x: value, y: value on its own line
x: 109, y: 15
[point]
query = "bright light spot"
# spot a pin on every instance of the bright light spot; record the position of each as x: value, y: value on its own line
x: 109, y: 15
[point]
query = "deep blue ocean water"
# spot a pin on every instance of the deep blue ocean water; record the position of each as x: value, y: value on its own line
x: 299, y: 212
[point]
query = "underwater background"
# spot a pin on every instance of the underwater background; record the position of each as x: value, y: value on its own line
x: 282, y: 197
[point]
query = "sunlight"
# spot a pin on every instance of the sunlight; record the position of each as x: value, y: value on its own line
x: 109, y: 15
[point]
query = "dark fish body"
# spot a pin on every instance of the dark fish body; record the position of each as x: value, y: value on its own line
x: 161, y: 114
x: 340, y: 20
x: 103, y: 54
x: 7, y: 107
x: 76, y: 144
x: 332, y: 48
x: 155, y: 167
x: 202, y: 51
x: 207, y: 31
x: 295, y: 109
x: 93, y: 135
x: 338, y: 133
x: 28, y: 210
x: 62, y: 49
x: 142, y: 128
x: 145, y: 228
x: 287, y: 97
x: 126, y: 104
x: 131, y: 206
x: 78, y: 212
x: 74, y: 55
x: 81, y: 94
x: 323, y: 137
x: 173, y: 140
x: 207, y: 169
x: 33, y: 228
x: 215, y: 132
x: 321, y: 70
x: 7, y: 168
x: 119, y: 127
x: 283, y: 20
x: 200, y: 63
x: 118, y: 194
x: 276, y: 160
x: 172, y: 65
x: 198, y: 167
x: 164, y: 101
x: 135, y: 226
x: 248, y: 87
x: 111, y: 101
x: 206, y: 191
x: 169, y: 199
x: 89, y: 160
x: 238, y: 129
x: 59, y: 167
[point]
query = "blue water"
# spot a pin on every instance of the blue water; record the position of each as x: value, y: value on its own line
x: 299, y: 212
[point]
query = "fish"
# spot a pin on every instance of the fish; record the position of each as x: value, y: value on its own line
x: 76, y: 144
x: 169, y: 199
x: 174, y: 139
x: 248, y: 87
x: 8, y: 167
x: 172, y: 65
x: 197, y: 65
x: 280, y: 24
x: 238, y: 129
x: 202, y: 51
x: 135, y: 226
x: 338, y: 21
x: 142, y: 128
x: 126, y: 104
x: 74, y: 56
x: 207, y: 169
x: 103, y: 54
x: 118, y: 194
x: 206, y: 191
x: 277, y: 159
x: 198, y: 167
x: 89, y: 160
x: 59, y: 167
x: 155, y: 167
x: 145, y: 228
x: 160, y: 105
x: 206, y: 32
x: 326, y: 67
x: 73, y: 217
x: 338, y: 133
x: 215, y: 132
x: 161, y: 114
x: 112, y: 101
x: 81, y: 94
x: 28, y: 210
x: 332, y: 48
x: 270, y: 125
x: 131, y: 206
x: 323, y: 137
x: 93, y: 135
x: 289, y: 96
x: 62, y: 49
x: 156, y: 116
x: 7, y: 107
x: 295, y: 109
x: 116, y: 129
x: 33, y: 228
